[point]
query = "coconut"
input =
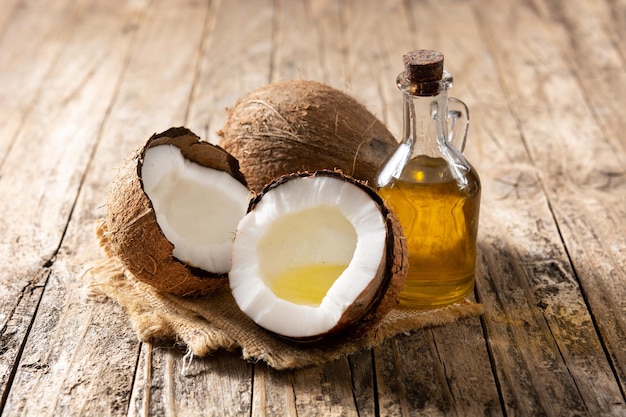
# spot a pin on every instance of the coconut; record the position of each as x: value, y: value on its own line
x: 297, y: 126
x: 172, y: 211
x: 316, y: 254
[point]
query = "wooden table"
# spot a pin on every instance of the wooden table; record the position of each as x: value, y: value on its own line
x: 85, y: 82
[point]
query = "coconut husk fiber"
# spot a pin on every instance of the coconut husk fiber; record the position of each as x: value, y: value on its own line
x: 214, y: 322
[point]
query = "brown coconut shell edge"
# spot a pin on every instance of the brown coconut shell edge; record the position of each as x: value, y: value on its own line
x: 131, y: 232
x: 383, y: 292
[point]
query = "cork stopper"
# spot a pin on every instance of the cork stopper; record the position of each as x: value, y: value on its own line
x: 423, y: 65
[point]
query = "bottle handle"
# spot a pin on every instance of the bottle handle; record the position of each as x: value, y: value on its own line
x: 458, y: 123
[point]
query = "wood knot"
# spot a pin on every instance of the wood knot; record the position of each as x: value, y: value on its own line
x: 606, y: 179
x: 520, y: 183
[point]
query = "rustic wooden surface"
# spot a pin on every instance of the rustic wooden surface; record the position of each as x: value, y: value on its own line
x: 84, y: 82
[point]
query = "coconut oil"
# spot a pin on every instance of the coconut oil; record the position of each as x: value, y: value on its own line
x: 432, y: 188
x: 440, y: 223
x: 306, y: 285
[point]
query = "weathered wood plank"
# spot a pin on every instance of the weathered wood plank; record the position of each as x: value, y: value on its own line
x: 340, y: 388
x: 273, y: 393
x: 325, y: 390
x: 42, y: 173
x: 150, y: 56
x: 531, y: 371
x: 329, y: 22
x: 174, y: 384
x: 374, y: 49
x: 614, y: 23
x: 293, y: 26
x: 558, y: 130
x: 8, y: 13
x: 439, y: 371
x: 364, y: 383
x: 79, y: 359
x: 40, y: 30
x: 16, y: 325
x: 64, y: 353
x: 410, y: 378
x: 308, y: 42
x: 597, y: 249
x: 236, y: 58
x: 462, y: 349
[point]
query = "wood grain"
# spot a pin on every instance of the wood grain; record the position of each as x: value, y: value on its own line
x: 43, y: 194
x: 40, y: 29
x: 236, y: 58
x: 565, y: 178
x: 83, y: 83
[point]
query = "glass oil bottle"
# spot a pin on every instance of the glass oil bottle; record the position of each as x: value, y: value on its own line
x: 431, y: 187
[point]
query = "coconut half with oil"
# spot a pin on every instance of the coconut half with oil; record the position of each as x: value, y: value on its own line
x: 317, y: 254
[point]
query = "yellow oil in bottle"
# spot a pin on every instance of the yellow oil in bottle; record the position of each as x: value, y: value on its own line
x: 438, y: 210
x: 305, y: 285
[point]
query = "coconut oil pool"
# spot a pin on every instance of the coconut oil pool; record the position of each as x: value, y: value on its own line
x: 307, y: 284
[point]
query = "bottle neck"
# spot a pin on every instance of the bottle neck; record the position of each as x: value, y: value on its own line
x: 425, y: 129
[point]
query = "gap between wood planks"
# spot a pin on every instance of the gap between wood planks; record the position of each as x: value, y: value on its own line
x: 30, y: 288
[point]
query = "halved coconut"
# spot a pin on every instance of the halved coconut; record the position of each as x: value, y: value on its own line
x: 315, y: 255
x: 172, y: 213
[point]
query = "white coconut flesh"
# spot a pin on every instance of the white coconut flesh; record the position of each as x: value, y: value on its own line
x: 197, y: 208
x: 305, y: 254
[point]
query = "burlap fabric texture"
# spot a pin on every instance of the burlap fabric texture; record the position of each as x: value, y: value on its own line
x: 209, y: 323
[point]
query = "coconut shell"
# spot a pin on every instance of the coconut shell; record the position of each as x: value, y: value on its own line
x: 130, y: 230
x: 297, y: 126
x: 383, y: 292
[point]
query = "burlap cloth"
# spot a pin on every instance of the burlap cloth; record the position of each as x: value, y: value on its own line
x: 206, y: 324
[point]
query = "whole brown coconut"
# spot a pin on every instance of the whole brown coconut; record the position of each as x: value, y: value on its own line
x: 296, y: 126
x: 130, y: 230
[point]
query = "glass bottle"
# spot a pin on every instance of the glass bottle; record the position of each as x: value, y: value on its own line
x: 431, y: 187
